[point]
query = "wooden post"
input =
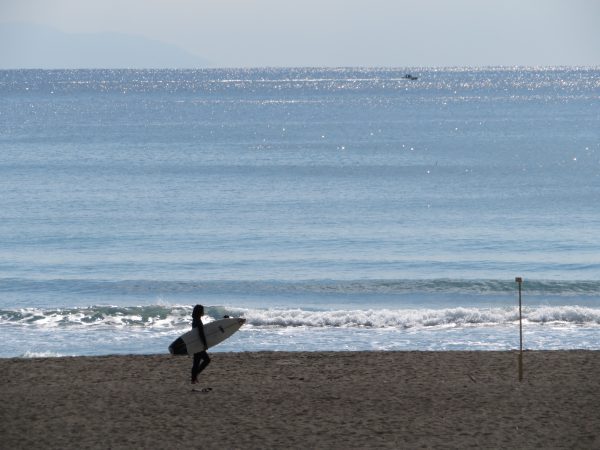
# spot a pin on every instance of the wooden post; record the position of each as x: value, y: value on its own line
x: 519, y: 280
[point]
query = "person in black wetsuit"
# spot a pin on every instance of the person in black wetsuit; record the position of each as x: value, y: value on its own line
x: 201, y: 359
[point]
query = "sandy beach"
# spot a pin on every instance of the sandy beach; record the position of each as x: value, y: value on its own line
x: 304, y: 400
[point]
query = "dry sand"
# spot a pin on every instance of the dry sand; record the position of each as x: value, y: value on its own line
x: 304, y: 400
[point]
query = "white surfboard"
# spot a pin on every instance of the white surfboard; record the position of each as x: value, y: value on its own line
x: 215, y: 332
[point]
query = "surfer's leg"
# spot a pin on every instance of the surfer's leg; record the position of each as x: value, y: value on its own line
x: 205, y: 361
x: 195, y: 368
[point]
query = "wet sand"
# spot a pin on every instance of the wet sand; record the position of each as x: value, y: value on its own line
x: 304, y: 400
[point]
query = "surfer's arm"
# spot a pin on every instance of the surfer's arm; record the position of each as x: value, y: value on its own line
x: 202, y: 335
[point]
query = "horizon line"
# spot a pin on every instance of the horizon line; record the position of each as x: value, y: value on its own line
x: 311, y: 67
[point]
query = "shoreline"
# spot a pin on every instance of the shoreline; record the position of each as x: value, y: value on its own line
x: 450, y: 399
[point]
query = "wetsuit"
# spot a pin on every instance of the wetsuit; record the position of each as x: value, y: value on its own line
x: 201, y: 359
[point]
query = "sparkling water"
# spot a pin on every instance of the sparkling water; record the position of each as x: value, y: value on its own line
x: 335, y: 209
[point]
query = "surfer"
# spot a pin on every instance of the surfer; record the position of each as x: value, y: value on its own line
x: 201, y: 359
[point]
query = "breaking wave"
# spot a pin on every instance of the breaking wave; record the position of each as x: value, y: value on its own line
x: 158, y: 317
x: 410, y: 318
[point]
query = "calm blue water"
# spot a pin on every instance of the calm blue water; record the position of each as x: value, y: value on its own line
x: 335, y: 209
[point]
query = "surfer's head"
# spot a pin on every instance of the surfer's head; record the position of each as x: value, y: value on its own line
x: 198, y: 312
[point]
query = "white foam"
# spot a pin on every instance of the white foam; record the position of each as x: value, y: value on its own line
x: 31, y: 354
x: 161, y: 318
x: 410, y: 318
x: 566, y: 314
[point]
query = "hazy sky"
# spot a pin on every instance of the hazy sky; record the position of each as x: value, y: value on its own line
x: 399, y: 33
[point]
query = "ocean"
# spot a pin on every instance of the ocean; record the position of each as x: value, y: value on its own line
x: 334, y: 209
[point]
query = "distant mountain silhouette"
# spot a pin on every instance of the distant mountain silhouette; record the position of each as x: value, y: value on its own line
x: 27, y: 46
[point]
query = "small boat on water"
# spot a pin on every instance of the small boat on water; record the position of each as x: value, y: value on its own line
x: 409, y: 76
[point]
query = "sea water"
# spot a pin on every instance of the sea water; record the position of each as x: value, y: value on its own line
x: 334, y: 209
